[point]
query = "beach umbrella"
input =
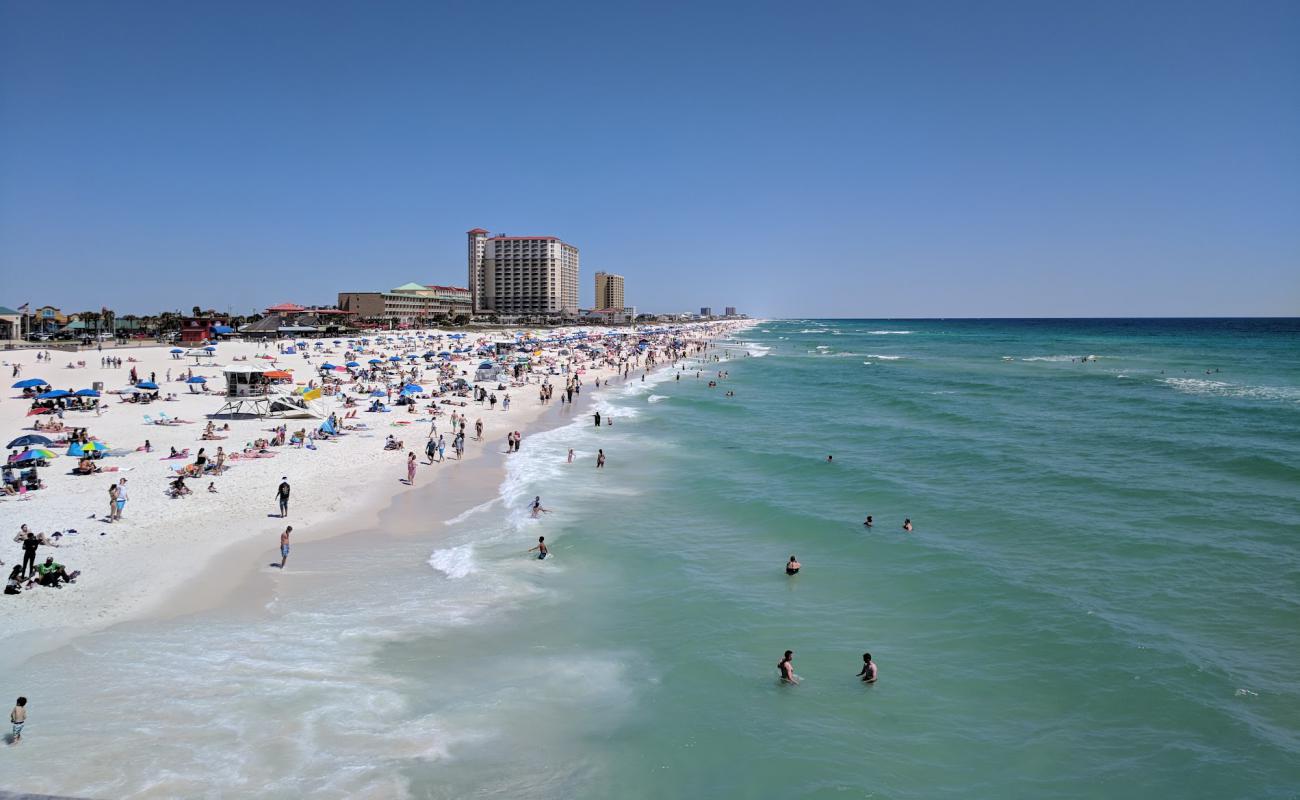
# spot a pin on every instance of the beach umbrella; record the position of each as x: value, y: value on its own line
x: 88, y: 446
x: 176, y: 350
x: 75, y: 450
x: 28, y: 440
x: 412, y: 388
x: 394, y: 358
x: 36, y: 452
x: 378, y: 393
x: 28, y: 383
x: 327, y: 365
x: 352, y: 364
x: 147, y: 385
x: 375, y: 361
x: 210, y: 348
x: 197, y: 379
x: 52, y: 395
x: 86, y: 393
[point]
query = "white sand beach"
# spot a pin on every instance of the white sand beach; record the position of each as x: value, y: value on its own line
x: 159, y: 549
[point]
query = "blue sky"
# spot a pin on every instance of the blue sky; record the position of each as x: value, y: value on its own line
x: 799, y: 159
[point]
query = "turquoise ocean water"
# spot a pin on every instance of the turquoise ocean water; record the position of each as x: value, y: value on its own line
x: 1101, y: 598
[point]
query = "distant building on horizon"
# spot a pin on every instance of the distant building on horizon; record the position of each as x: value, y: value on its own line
x: 730, y: 311
x: 706, y: 311
x: 522, y: 274
x: 609, y: 291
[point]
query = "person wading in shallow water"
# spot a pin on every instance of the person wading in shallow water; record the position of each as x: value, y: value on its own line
x: 786, y: 668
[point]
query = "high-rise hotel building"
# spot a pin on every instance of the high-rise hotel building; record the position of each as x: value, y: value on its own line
x: 609, y: 291
x: 522, y: 274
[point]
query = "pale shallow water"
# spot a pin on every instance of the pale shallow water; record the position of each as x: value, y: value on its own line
x: 1100, y: 599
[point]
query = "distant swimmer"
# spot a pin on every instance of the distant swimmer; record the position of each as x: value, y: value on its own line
x: 786, y: 668
x: 570, y: 461
x: 542, y: 552
x: 870, y: 523
x: 829, y: 459
x: 597, y: 418
x: 792, y: 566
x: 868, y: 673
x: 600, y: 459
x: 907, y: 525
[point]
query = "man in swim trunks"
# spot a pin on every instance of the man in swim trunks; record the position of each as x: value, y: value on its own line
x: 284, y: 545
x: 786, y: 667
x: 868, y: 673
x: 542, y: 552
x: 282, y: 494
x: 792, y: 566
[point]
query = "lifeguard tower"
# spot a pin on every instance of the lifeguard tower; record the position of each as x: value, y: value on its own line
x: 248, y: 391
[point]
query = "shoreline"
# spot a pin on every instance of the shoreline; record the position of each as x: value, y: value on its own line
x: 188, y: 559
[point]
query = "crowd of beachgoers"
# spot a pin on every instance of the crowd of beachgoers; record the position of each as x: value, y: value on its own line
x: 123, y: 476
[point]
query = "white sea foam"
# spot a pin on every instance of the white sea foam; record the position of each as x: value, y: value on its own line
x: 823, y: 347
x: 888, y: 333
x: 1214, y: 388
x: 1053, y: 358
x: 885, y: 358
x: 756, y: 350
x: 469, y: 512
x: 454, y: 562
x: 656, y: 398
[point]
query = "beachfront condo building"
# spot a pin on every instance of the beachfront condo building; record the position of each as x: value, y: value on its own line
x: 730, y: 311
x: 522, y: 274
x: 609, y: 290
x: 706, y: 311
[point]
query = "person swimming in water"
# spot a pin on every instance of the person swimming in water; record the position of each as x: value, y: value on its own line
x: 792, y: 566
x: 907, y: 525
x: 870, y: 522
x: 542, y: 552
x: 537, y: 506
x: 868, y: 673
x: 786, y: 668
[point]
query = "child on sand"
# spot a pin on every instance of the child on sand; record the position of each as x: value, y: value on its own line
x: 18, y: 717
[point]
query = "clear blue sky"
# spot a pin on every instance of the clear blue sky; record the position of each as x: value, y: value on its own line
x: 793, y: 159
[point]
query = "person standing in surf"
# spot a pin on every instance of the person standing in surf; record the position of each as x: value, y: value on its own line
x: 786, y: 668
x: 542, y: 552
x: 868, y: 673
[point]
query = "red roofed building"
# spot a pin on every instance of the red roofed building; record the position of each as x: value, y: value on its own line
x: 286, y: 308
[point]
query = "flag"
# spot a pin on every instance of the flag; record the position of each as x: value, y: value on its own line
x: 23, y: 307
x: 314, y: 394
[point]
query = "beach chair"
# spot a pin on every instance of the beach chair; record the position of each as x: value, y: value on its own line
x: 148, y: 420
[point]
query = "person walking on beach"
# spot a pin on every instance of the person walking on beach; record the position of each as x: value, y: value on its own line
x: 282, y: 494
x: 410, y: 469
x: 785, y: 667
x: 478, y: 429
x: 284, y: 545
x: 121, y: 498
x: 600, y: 459
x: 542, y: 552
x: 868, y: 673
x: 112, y: 502
x: 429, y: 449
x: 18, y: 718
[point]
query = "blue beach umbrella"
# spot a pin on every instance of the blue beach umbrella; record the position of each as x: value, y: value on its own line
x: 210, y: 348
x: 394, y: 358
x: 176, y: 350
x: 378, y: 393
x: 86, y: 393
x: 197, y: 379
x: 412, y: 388
x: 28, y: 440
x: 53, y: 395
x: 375, y: 361
x: 352, y: 364
x: 28, y: 383
x: 327, y: 365
x: 146, y: 385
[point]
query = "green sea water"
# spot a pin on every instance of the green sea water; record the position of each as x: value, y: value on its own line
x: 1100, y: 597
